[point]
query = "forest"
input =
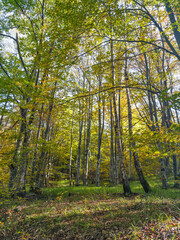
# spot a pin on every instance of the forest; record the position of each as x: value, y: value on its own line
x: 89, y: 118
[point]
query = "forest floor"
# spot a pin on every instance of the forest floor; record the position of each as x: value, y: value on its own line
x: 82, y: 213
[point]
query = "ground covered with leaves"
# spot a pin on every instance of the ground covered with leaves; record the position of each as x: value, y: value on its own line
x: 91, y: 213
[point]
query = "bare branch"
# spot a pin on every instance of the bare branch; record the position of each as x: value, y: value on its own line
x: 19, y: 52
x: 5, y: 35
x: 4, y: 70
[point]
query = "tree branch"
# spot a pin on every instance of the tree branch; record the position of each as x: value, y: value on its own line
x: 19, y: 52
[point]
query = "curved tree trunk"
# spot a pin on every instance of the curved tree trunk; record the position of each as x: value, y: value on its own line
x: 143, y: 181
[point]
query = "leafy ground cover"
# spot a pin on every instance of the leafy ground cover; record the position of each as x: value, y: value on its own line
x: 92, y: 213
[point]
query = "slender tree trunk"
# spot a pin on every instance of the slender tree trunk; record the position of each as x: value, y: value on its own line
x: 84, y: 152
x: 100, y: 132
x: 20, y: 180
x: 130, y: 160
x: 16, y: 158
x: 175, y: 168
x: 116, y: 165
x: 149, y: 94
x: 79, y: 153
x: 162, y: 160
x: 32, y: 180
x: 112, y: 173
x: 42, y: 160
x: 79, y: 146
x: 4, y: 109
x: 126, y: 186
x: 70, y: 159
x: 88, y: 139
x: 143, y: 181
x: 21, y: 177
x: 125, y: 182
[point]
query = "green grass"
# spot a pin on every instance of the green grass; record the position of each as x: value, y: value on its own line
x: 92, y: 192
x: 65, y: 212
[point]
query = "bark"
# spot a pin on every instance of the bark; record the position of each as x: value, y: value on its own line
x: 168, y: 166
x: 126, y: 186
x: 137, y: 165
x: 42, y: 159
x: 116, y: 165
x: 130, y: 160
x: 79, y: 145
x: 21, y: 176
x: 125, y: 182
x: 173, y: 22
x: 4, y: 109
x: 112, y: 170
x: 155, y: 125
x: 166, y: 108
x: 79, y: 153
x: 138, y: 168
x: 100, y: 132
x: 84, y: 152
x: 34, y: 164
x: 149, y: 94
x: 163, y: 170
x: 175, y: 167
x: 16, y: 158
x: 70, y: 159
x: 88, y: 139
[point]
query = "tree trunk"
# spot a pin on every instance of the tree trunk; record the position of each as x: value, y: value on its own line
x: 88, y: 139
x: 79, y: 147
x: 32, y: 180
x: 125, y: 182
x: 70, y: 159
x: 143, y: 181
x: 173, y: 22
x: 112, y: 168
x: 79, y: 153
x: 42, y: 160
x: 175, y: 167
x: 16, y: 158
x: 4, y: 109
x: 84, y: 151
x: 100, y: 132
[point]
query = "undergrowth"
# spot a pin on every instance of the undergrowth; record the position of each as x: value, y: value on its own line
x: 91, y: 212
